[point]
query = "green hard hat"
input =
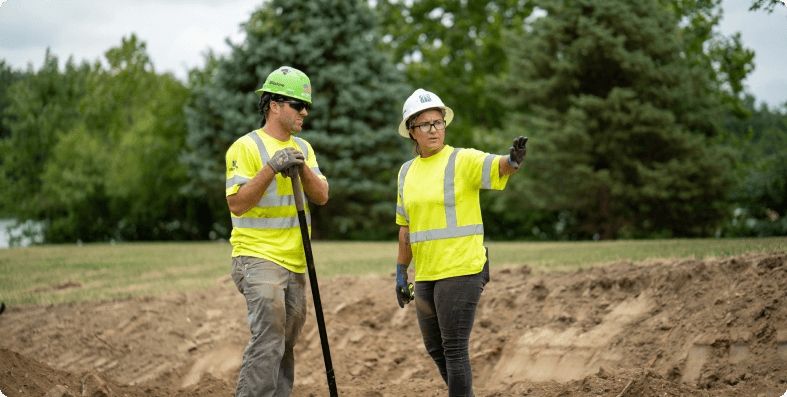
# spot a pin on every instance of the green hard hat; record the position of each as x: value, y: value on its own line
x: 290, y: 82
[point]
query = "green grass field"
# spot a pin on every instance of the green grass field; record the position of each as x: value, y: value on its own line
x: 107, y: 271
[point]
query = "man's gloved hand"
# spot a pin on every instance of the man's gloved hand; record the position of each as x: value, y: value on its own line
x: 404, y: 293
x: 286, y: 158
x: 290, y: 172
x: 518, y: 152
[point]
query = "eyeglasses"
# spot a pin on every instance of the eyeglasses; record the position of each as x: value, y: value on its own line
x: 296, y: 104
x: 426, y: 127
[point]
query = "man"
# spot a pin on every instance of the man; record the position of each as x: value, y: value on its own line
x: 268, y: 262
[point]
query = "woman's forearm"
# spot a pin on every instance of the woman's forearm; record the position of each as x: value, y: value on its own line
x: 405, y: 251
x: 505, y: 167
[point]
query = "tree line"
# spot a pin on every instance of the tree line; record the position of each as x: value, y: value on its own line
x: 638, y: 120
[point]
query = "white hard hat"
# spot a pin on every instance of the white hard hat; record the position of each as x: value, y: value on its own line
x: 420, y: 100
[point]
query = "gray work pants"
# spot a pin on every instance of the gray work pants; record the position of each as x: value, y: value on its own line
x: 275, y: 298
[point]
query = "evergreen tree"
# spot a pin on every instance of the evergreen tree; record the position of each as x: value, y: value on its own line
x: 620, y: 120
x: 352, y: 123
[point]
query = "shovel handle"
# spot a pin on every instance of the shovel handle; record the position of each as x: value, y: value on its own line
x: 307, y: 250
x: 296, y: 190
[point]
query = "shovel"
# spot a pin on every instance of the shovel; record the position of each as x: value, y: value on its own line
x: 307, y: 248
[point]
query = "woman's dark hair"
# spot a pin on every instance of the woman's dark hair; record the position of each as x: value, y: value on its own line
x: 416, y: 148
x: 411, y: 122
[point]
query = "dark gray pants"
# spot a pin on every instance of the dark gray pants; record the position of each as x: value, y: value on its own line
x: 275, y: 298
x: 446, y: 312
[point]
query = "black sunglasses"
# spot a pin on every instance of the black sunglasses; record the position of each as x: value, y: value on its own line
x: 296, y: 104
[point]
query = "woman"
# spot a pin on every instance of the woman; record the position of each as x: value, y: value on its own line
x: 441, y: 228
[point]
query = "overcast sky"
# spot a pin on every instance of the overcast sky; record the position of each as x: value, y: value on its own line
x: 178, y: 32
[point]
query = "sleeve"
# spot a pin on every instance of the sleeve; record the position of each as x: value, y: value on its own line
x: 401, y: 215
x: 311, y: 162
x: 242, y: 166
x: 482, y: 169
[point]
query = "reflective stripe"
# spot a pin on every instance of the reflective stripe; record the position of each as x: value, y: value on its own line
x: 273, y: 190
x: 236, y: 180
x: 269, y: 223
x: 277, y: 201
x: 486, y: 173
x: 260, y: 146
x: 449, y: 192
x: 449, y: 198
x: 439, y: 234
x: 405, y: 167
x: 304, y: 149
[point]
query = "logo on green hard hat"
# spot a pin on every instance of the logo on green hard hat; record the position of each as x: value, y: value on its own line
x: 290, y: 82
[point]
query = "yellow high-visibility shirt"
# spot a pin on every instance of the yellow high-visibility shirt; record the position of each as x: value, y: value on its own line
x: 438, y: 200
x: 269, y: 230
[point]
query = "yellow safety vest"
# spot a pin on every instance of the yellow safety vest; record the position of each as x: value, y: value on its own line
x: 270, y: 230
x: 438, y: 200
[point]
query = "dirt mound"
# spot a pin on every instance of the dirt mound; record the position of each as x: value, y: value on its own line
x: 24, y: 376
x: 678, y: 327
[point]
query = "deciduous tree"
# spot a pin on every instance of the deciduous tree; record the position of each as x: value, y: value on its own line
x: 41, y: 107
x: 452, y: 48
x: 93, y: 152
x: 760, y: 192
x: 767, y: 5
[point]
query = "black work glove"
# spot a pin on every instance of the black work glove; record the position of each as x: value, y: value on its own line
x: 286, y: 158
x: 404, y: 291
x: 518, y: 152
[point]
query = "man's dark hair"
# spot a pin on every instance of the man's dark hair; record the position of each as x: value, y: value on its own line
x: 265, y: 104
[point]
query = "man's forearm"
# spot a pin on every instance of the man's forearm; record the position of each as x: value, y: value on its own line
x: 250, y: 193
x: 316, y: 189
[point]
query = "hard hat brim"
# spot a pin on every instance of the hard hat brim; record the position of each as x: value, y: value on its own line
x: 262, y: 91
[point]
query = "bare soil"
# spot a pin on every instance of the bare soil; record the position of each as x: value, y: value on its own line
x: 713, y: 327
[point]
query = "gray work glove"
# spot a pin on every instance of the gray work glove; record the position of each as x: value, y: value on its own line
x: 518, y: 152
x: 286, y: 158
x: 290, y: 172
